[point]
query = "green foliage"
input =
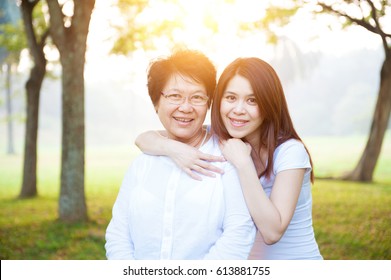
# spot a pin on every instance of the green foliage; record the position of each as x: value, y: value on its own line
x: 40, y: 23
x: 133, y: 33
x: 370, y: 15
x: 13, y: 36
x: 275, y: 17
x: 13, y: 39
x: 136, y: 36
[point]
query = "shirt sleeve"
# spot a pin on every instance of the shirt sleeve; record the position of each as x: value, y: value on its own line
x: 119, y: 244
x: 238, y: 227
x: 291, y: 155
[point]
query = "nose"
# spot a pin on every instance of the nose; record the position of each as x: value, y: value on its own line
x: 186, y: 107
x: 239, y: 108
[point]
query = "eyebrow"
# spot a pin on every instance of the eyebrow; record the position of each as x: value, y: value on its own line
x: 182, y: 92
x: 234, y: 93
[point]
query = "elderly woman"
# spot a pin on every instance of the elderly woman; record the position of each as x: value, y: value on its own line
x: 160, y: 211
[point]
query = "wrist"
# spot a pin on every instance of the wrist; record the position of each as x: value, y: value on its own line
x: 243, y: 163
x: 168, y: 146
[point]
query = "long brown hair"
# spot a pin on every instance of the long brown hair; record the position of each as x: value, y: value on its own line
x: 277, y: 126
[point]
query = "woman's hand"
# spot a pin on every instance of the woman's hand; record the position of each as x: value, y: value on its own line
x: 236, y: 152
x: 188, y: 158
x: 193, y: 161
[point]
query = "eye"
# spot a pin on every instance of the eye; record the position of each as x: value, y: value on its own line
x: 174, y: 96
x: 229, y: 97
x: 198, y: 97
x: 252, y: 101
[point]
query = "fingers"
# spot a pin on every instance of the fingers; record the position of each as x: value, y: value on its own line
x: 204, y: 171
x: 193, y: 175
x: 204, y: 168
x: 204, y: 165
x: 211, y: 158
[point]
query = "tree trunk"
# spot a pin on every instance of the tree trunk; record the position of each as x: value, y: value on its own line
x: 71, y: 43
x: 10, y: 130
x: 33, y: 88
x: 72, y: 205
x: 366, y: 166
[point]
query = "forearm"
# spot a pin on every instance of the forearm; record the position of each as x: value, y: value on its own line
x: 265, y: 214
x: 153, y: 143
x: 186, y: 157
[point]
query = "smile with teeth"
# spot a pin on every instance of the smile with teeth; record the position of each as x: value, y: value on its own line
x: 185, y: 120
x: 236, y: 122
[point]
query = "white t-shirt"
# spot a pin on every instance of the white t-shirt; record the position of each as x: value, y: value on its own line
x: 298, y: 241
x: 162, y: 213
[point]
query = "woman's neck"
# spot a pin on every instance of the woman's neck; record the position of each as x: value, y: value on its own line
x: 197, y: 141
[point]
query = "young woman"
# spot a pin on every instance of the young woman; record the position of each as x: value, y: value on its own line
x: 251, y: 118
x: 161, y: 213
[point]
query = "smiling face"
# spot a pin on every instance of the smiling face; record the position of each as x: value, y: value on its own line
x: 239, y: 110
x: 182, y: 122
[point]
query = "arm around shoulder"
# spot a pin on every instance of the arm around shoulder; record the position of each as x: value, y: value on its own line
x: 153, y: 143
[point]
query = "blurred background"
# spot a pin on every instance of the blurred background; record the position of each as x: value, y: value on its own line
x: 326, y: 53
x: 331, y: 77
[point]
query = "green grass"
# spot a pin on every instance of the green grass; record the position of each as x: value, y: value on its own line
x: 351, y: 220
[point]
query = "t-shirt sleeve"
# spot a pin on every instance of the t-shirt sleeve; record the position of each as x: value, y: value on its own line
x: 291, y: 155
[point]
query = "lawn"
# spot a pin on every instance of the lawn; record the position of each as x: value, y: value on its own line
x: 351, y: 220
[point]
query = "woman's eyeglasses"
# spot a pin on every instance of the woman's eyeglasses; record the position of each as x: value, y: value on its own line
x: 178, y: 99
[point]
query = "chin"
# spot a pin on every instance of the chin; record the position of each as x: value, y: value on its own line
x: 236, y: 134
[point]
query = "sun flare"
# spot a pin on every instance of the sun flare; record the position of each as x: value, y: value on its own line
x: 212, y: 26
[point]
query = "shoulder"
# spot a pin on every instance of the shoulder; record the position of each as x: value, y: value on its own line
x: 212, y: 146
x: 291, y: 145
x: 143, y: 161
x: 289, y: 155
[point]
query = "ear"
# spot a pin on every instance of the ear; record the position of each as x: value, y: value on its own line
x: 156, y: 105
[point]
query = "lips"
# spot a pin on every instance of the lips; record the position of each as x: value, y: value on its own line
x: 238, y: 122
x: 183, y: 120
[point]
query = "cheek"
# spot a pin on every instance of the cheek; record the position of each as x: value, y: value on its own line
x: 254, y: 112
x: 164, y: 112
x: 201, y: 113
x: 224, y: 108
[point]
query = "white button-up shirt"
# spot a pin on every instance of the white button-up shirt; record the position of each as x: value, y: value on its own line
x: 162, y: 213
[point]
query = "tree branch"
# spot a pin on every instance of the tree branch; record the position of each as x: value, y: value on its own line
x: 45, y: 35
x: 57, y: 29
x: 82, y: 13
x: 36, y: 50
x: 378, y: 27
x: 361, y: 22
